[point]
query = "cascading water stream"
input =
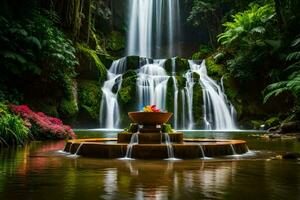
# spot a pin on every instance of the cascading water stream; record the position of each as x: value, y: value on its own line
x: 109, y: 108
x: 218, y: 112
x: 169, y: 147
x: 203, y: 153
x: 233, y: 150
x: 78, y: 149
x: 175, y: 122
x: 133, y: 141
x: 189, y: 97
x: 152, y: 84
x: 151, y: 16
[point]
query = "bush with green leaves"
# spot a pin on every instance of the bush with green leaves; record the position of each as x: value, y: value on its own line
x: 36, y: 47
x: 12, y: 128
x: 248, y: 26
x: 291, y: 82
x: 251, y: 39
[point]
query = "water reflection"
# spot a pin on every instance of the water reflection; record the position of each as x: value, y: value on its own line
x: 40, y: 169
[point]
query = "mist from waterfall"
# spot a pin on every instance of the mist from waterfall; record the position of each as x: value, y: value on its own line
x: 154, y: 28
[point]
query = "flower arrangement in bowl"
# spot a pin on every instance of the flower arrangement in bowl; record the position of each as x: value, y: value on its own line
x: 150, y: 115
x: 151, y: 109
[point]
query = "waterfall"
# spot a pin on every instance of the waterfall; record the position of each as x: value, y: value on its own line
x: 153, y: 16
x: 154, y: 32
x: 218, y: 112
x: 186, y: 99
x: 189, y: 96
x: 152, y: 84
x: 109, y: 108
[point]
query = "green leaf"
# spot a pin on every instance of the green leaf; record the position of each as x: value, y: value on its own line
x: 14, y: 56
x: 35, y: 41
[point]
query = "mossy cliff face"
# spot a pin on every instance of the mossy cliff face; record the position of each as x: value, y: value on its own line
x: 198, y: 105
x: 127, y: 93
x: 170, y: 96
x: 91, y: 65
x: 68, y: 107
x: 132, y: 62
x: 89, y: 96
x: 214, y: 70
x: 127, y: 96
x: 181, y: 65
x: 116, y: 41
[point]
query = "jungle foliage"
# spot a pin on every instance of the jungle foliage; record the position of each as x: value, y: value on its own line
x: 258, y: 45
x: 12, y: 128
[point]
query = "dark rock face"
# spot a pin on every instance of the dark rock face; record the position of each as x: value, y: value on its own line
x: 291, y: 156
x: 290, y: 127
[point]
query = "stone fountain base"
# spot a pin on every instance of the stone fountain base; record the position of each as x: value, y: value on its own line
x: 183, y: 148
x: 151, y: 138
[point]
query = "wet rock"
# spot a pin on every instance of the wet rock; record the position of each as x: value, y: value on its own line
x: 291, y: 156
x: 274, y: 136
x: 284, y: 128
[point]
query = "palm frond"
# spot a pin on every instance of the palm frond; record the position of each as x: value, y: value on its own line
x: 293, y: 56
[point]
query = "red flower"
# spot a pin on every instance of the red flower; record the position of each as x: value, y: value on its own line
x: 46, y: 124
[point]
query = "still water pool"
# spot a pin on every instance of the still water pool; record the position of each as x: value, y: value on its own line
x: 41, y: 171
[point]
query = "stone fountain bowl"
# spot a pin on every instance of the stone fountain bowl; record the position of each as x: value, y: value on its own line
x: 150, y: 118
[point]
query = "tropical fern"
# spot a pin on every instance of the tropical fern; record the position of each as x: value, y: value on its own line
x: 292, y: 83
x: 247, y: 24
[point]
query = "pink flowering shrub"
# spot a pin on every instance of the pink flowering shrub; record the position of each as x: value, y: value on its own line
x: 43, y: 126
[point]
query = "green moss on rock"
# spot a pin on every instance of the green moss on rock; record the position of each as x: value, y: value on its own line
x: 215, y: 71
x: 256, y: 124
x: 202, y: 52
x: 167, y: 128
x: 132, y: 62
x: 91, y: 66
x: 181, y: 81
x: 68, y: 107
x: 116, y: 41
x: 89, y: 96
x: 272, y: 121
x: 195, y: 75
x: 198, y: 105
x: 181, y: 65
x: 128, y: 87
x: 170, y: 95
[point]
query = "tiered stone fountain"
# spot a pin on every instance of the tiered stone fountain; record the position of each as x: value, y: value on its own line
x: 146, y: 139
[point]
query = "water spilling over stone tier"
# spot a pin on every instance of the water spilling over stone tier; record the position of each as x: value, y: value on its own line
x: 175, y: 85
